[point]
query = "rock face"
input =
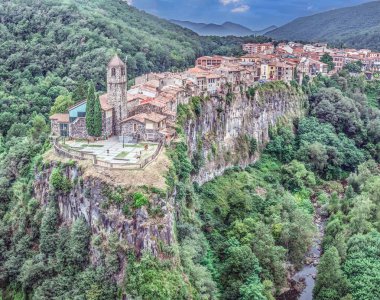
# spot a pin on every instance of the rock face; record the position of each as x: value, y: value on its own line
x: 87, y: 198
x: 220, y: 134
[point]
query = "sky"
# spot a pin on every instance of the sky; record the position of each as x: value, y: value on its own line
x: 255, y: 14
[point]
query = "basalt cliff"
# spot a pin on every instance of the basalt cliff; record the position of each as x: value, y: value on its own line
x: 220, y: 132
x: 223, y: 133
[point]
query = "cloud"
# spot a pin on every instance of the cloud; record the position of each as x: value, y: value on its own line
x: 227, y: 2
x: 241, y: 9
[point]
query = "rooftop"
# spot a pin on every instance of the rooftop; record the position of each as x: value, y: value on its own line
x: 60, y: 118
x: 154, y: 117
x: 116, y: 62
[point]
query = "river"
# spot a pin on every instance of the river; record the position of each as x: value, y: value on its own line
x: 305, y: 278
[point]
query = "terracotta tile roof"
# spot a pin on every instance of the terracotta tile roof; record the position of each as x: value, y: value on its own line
x: 132, y: 97
x: 152, y: 101
x: 165, y: 98
x: 196, y: 70
x: 213, y: 76
x: 148, y: 88
x: 104, y: 102
x: 154, y: 117
x: 169, y: 113
x: 60, y: 118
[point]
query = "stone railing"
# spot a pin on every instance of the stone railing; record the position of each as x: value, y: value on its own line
x: 155, y: 154
x: 74, y: 154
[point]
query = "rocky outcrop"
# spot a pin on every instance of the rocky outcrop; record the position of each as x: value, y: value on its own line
x: 147, y: 228
x: 221, y: 133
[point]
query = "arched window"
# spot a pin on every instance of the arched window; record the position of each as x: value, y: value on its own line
x: 113, y: 72
x: 122, y: 72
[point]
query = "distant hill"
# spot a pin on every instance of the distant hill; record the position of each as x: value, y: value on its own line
x: 75, y: 38
x: 265, y: 30
x: 225, y: 29
x: 63, y: 43
x: 357, y: 26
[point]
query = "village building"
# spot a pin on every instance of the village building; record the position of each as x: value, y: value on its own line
x: 259, y: 48
x: 132, y: 114
x: 147, y: 110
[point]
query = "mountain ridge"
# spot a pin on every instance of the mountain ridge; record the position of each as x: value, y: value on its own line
x: 353, y: 26
x: 224, y: 29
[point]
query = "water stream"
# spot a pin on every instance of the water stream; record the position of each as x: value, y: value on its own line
x: 303, y: 281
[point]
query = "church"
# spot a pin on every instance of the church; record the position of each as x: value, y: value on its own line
x: 146, y: 120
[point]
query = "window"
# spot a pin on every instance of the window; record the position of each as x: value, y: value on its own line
x: 81, y: 114
x: 122, y: 72
x: 63, y: 129
x: 134, y: 127
x: 113, y: 72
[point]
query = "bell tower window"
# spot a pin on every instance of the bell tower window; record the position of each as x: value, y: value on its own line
x: 113, y: 72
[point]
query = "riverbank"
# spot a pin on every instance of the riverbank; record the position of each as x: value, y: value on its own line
x: 302, y: 282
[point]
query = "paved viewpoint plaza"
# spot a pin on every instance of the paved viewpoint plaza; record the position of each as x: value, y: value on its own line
x: 113, y: 150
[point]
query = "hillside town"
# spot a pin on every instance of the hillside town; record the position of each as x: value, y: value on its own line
x: 306, y: 59
x: 147, y: 111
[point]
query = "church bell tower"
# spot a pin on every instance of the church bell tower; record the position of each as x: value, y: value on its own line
x: 117, y: 91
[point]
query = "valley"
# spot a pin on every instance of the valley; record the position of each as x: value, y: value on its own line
x: 139, y: 160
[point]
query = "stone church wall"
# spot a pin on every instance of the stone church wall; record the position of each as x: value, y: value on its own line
x: 78, y: 129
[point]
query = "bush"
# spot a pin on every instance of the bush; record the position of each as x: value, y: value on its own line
x: 59, y: 181
x: 140, y: 200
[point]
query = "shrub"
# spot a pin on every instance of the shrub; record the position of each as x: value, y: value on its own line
x: 59, y: 181
x: 140, y: 200
x: 126, y: 210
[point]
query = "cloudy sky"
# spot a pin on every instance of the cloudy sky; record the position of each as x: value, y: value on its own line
x: 255, y: 14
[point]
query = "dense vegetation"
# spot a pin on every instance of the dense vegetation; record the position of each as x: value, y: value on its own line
x: 236, y: 232
x: 51, y: 48
x: 356, y: 27
x: 256, y: 220
x: 50, y: 51
x: 339, y: 140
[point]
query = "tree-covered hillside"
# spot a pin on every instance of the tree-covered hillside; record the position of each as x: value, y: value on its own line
x: 356, y: 26
x: 48, y: 46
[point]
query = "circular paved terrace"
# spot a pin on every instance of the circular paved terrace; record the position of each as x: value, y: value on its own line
x: 113, y: 151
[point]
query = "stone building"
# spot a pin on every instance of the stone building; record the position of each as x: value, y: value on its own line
x: 117, y: 91
x: 138, y: 113
x: 114, y: 107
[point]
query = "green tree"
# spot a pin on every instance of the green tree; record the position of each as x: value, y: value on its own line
x: 39, y: 130
x: 362, y: 265
x: 90, y: 110
x: 270, y: 256
x: 239, y: 265
x: 253, y: 289
x: 97, y: 118
x: 17, y: 130
x: 79, y: 243
x: 282, y: 144
x: 331, y: 284
x: 80, y: 91
x: 327, y: 59
x: 295, y: 177
x: 61, y: 104
x: 48, y: 231
x: 354, y: 67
